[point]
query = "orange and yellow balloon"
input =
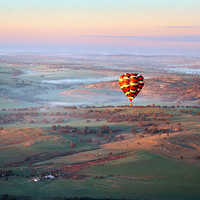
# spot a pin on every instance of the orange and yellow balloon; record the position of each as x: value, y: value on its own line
x: 131, y: 85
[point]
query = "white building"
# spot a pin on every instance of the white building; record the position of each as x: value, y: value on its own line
x: 49, y: 177
x: 36, y: 179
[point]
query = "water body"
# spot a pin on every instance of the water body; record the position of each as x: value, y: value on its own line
x: 184, y: 71
x: 77, y: 81
x: 67, y: 104
x: 30, y: 72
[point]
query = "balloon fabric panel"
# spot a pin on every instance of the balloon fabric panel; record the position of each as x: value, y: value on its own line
x: 131, y: 84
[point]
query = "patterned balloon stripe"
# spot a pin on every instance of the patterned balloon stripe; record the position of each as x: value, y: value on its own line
x: 131, y: 84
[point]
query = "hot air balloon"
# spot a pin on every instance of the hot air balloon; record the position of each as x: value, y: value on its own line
x: 131, y: 85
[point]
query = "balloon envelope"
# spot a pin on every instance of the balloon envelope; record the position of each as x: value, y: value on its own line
x: 131, y: 84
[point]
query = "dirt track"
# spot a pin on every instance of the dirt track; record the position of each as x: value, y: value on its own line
x: 70, y: 171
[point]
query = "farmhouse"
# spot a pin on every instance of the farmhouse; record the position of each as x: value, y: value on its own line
x: 49, y: 177
x: 36, y: 179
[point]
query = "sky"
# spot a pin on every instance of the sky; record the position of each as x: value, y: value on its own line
x: 101, y: 26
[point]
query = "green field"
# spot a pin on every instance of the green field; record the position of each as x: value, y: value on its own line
x: 139, y: 174
x: 144, y: 176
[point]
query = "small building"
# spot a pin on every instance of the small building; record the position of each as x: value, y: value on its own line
x: 49, y: 177
x: 36, y: 179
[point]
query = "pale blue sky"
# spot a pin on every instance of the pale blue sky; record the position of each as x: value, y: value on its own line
x: 66, y: 22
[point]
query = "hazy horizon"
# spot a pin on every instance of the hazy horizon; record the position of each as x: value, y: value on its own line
x: 29, y: 49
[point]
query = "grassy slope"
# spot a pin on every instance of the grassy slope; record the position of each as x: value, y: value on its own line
x: 143, y: 175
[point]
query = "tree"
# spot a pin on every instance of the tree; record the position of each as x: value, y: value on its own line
x: 133, y: 130
x: 29, y: 164
x: 4, y: 196
x: 72, y: 144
